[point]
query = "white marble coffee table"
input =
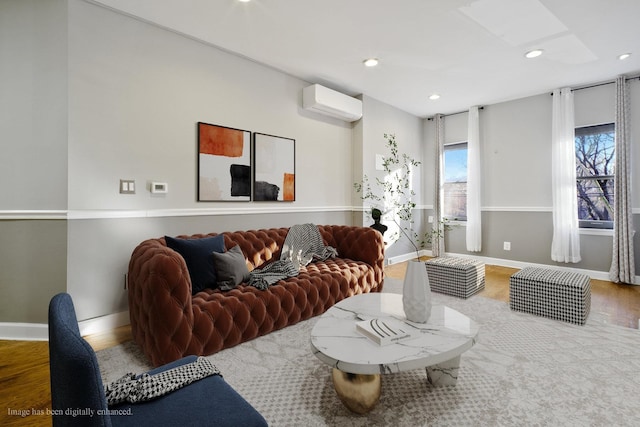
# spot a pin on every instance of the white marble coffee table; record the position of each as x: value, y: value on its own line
x: 441, y: 341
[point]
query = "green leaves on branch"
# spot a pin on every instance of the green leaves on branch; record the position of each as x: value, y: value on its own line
x: 394, y: 194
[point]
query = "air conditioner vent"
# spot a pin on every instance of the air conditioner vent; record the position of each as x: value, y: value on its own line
x: 326, y: 101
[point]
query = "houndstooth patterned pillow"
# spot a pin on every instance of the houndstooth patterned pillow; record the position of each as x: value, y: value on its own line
x: 138, y: 388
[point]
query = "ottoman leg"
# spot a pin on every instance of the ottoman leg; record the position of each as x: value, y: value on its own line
x: 446, y: 373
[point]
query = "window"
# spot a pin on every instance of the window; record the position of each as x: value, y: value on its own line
x: 455, y: 181
x: 595, y: 161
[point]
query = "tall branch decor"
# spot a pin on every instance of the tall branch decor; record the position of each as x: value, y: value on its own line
x: 394, y: 194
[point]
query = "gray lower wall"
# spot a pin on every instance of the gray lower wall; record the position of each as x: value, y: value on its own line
x: 99, y: 256
x: 530, y: 234
x: 37, y: 263
x: 33, y: 260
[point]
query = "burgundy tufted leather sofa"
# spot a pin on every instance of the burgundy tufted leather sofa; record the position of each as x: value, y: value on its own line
x: 169, y: 323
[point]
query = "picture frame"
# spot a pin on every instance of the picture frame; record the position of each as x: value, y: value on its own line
x: 274, y: 170
x: 225, y: 167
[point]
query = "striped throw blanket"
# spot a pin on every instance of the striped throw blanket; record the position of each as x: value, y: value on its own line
x: 302, y: 245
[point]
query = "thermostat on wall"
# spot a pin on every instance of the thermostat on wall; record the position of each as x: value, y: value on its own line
x: 159, y: 187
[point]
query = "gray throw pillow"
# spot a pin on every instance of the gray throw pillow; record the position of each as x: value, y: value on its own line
x: 231, y: 268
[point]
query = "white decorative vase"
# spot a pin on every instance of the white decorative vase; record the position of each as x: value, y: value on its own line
x: 416, y: 293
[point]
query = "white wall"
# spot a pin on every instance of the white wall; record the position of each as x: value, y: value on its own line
x: 96, y: 96
x: 379, y: 119
x: 33, y: 163
x: 595, y: 105
x: 33, y: 105
x: 108, y: 98
x: 516, y: 153
x: 516, y: 175
x: 136, y: 93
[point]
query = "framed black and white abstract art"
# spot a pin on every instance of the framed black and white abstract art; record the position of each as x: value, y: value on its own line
x: 274, y: 168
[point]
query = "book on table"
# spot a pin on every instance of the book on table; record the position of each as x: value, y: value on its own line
x: 386, y: 330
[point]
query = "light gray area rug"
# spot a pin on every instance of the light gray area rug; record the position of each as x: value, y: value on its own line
x: 524, y: 371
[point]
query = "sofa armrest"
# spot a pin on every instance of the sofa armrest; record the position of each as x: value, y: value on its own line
x: 357, y: 243
x: 160, y: 301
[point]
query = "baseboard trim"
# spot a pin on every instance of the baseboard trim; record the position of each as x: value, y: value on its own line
x: 16, y: 331
x: 102, y: 324
x: 24, y: 331
x: 406, y: 257
x: 594, y: 274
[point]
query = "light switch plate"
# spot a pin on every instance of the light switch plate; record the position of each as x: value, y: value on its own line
x: 127, y: 186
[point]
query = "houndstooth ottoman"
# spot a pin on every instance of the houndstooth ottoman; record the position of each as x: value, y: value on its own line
x: 555, y: 294
x: 459, y: 277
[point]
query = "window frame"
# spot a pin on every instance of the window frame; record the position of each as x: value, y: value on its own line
x: 594, y: 224
x: 459, y: 145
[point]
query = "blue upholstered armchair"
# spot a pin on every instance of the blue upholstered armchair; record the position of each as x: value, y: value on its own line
x: 77, y: 389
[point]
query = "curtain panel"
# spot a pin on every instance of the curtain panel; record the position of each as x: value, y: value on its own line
x: 437, y: 243
x: 565, y: 246
x: 474, y: 214
x: 622, y: 260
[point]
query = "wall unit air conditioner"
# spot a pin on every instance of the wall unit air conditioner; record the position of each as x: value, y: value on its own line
x: 322, y: 100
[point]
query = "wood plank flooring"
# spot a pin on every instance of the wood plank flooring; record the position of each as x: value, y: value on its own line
x: 24, y: 365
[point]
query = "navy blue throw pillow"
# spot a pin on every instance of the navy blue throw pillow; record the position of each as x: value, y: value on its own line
x: 197, y: 255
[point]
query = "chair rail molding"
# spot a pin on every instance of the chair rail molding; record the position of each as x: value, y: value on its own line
x: 44, y: 214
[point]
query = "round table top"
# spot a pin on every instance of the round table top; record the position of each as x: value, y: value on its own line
x: 336, y: 342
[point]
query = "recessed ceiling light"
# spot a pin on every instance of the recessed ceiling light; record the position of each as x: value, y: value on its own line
x: 244, y: 1
x: 371, y: 62
x: 434, y: 97
x: 624, y: 56
x: 533, y: 53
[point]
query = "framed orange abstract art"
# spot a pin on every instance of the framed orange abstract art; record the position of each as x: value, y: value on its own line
x: 224, y: 163
x: 274, y: 168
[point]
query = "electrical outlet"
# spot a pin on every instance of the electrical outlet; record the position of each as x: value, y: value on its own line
x: 506, y: 246
x: 430, y: 219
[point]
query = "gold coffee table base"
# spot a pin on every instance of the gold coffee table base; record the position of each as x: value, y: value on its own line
x: 359, y: 393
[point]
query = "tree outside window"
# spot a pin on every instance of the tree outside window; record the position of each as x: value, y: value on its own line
x: 455, y: 182
x: 595, y: 161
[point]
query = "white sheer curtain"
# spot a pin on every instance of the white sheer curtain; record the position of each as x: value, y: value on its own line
x: 437, y: 243
x: 474, y: 215
x: 622, y: 261
x: 565, y: 246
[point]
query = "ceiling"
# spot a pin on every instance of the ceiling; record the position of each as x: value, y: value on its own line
x: 468, y: 52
